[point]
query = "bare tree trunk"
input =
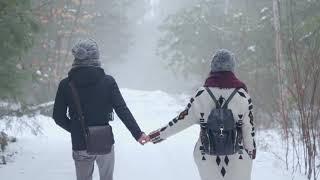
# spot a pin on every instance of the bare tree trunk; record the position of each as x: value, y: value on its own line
x: 281, y: 70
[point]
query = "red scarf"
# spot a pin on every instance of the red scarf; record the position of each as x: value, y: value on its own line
x: 224, y: 79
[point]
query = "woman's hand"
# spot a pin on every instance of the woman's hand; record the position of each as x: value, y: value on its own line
x: 144, y: 139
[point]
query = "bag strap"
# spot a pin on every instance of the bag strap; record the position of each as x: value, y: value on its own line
x: 225, y: 106
x: 218, y: 106
x: 79, y: 111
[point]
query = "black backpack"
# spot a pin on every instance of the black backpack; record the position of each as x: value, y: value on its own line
x: 221, y: 135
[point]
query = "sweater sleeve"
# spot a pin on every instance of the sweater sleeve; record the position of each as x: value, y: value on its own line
x: 60, y: 110
x: 190, y: 116
x: 248, y: 129
x: 123, y: 111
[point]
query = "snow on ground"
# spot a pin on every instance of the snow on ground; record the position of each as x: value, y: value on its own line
x: 48, y: 156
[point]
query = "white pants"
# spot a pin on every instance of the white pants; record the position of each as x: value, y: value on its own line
x: 224, y: 167
x: 85, y: 165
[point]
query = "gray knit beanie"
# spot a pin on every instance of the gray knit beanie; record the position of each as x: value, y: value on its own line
x: 223, y: 60
x: 86, y: 53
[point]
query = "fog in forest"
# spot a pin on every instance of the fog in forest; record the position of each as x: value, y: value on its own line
x: 163, y: 48
x: 142, y: 68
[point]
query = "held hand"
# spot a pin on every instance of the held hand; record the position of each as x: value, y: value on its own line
x: 144, y: 139
x: 155, y: 137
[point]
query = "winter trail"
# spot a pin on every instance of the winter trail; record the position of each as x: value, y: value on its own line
x: 48, y: 157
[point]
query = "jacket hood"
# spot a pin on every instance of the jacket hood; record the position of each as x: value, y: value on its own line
x: 86, y: 76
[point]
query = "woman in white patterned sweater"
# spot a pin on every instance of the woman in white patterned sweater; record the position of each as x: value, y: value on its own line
x: 222, y: 83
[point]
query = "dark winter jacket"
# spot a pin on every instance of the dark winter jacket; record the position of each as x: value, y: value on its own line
x: 99, y: 96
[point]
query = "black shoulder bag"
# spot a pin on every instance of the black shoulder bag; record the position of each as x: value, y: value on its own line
x: 98, y: 139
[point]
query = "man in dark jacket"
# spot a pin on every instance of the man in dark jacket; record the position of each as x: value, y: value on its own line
x: 99, y: 96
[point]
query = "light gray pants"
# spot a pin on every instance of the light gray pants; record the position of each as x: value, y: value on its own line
x: 85, y: 165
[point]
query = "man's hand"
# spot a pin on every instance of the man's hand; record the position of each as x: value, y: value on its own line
x: 144, y: 139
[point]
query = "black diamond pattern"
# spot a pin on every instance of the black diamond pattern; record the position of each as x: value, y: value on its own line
x: 240, y: 157
x: 191, y: 100
x: 199, y: 93
x: 218, y: 160
x: 203, y: 158
x: 163, y: 129
x: 221, y: 100
x: 251, y: 122
x: 226, y: 160
x: 223, y: 171
x: 251, y: 118
x: 242, y: 94
x: 183, y: 114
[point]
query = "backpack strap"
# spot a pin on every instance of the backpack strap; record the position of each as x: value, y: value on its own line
x: 218, y: 106
x: 79, y: 111
x: 225, y: 106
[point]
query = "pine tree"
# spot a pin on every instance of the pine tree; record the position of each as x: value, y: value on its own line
x: 17, y: 32
x: 192, y: 36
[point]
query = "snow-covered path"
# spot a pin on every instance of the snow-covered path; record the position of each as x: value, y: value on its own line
x: 48, y: 157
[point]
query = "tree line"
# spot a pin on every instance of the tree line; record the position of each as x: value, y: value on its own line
x: 37, y: 37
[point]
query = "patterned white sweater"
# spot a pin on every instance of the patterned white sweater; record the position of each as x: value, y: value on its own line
x: 197, y: 112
